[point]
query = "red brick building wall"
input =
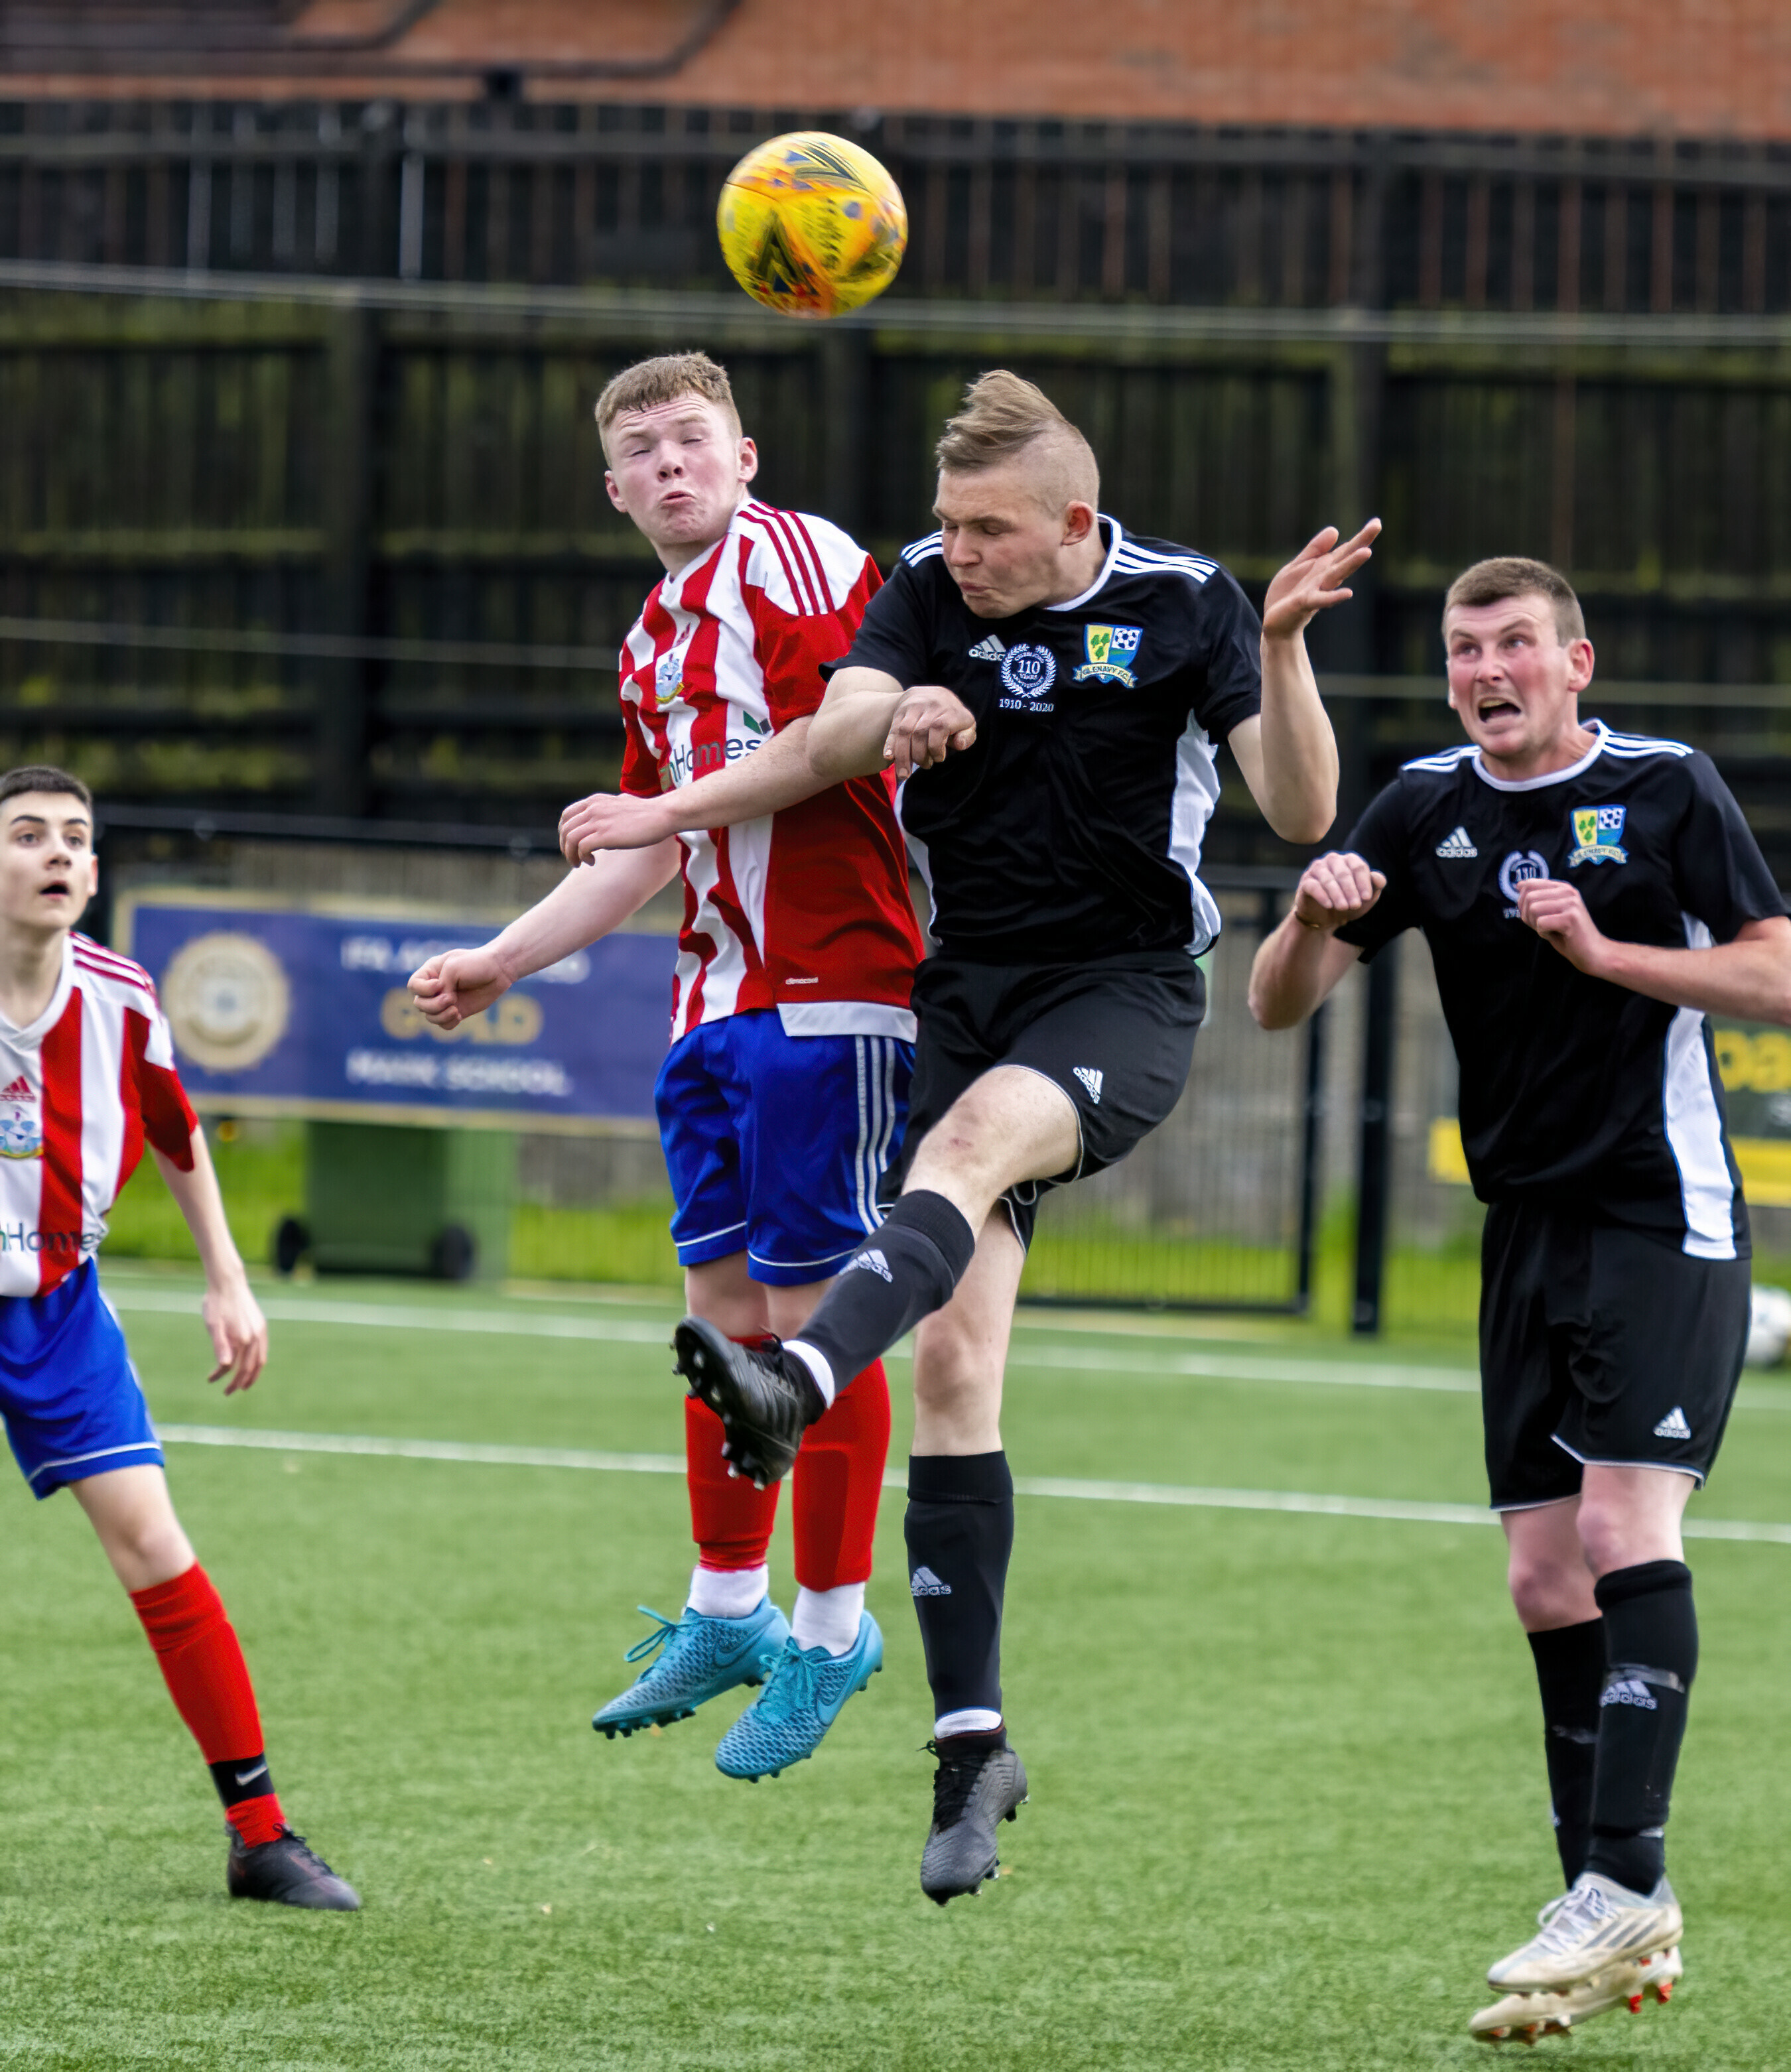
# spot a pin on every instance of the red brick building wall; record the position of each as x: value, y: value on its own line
x: 1709, y: 68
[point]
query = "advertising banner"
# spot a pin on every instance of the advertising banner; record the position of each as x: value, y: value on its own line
x: 280, y: 1007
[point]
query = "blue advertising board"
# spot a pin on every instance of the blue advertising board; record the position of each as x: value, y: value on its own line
x: 278, y: 1008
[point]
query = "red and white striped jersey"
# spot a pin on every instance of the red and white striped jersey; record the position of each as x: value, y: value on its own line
x: 79, y: 1090
x: 806, y: 911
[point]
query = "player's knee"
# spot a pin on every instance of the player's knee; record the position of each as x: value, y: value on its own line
x: 1546, y: 1591
x: 148, y: 1550
x: 951, y: 1369
x: 1614, y: 1539
x: 961, y: 1144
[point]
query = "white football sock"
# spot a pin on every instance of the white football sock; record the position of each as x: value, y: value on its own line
x: 818, y: 1365
x: 972, y: 1719
x: 727, y: 1593
x: 829, y: 1618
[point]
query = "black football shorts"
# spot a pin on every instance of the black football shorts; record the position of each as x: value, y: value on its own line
x: 1117, y: 1036
x: 1602, y: 1345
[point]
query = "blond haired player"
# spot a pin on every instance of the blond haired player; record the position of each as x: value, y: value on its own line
x: 1053, y: 692
x: 1589, y: 897
x: 783, y: 1096
x: 87, y: 1073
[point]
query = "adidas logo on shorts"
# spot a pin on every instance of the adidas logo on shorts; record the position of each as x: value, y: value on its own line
x: 873, y: 1262
x: 1459, y: 844
x: 923, y: 1583
x: 1090, y: 1076
x: 1673, y: 1425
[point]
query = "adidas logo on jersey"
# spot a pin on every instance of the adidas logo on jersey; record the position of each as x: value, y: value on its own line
x: 1630, y: 1690
x: 991, y: 650
x: 923, y: 1583
x: 1673, y: 1425
x: 1090, y: 1077
x: 1459, y: 843
x: 19, y: 1090
x: 873, y: 1262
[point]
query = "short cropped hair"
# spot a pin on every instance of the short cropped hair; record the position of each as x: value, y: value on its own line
x: 1004, y: 416
x: 1513, y: 575
x: 664, y: 381
x: 42, y: 777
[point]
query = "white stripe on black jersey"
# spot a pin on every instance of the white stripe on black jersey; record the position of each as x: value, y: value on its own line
x: 1073, y: 828
x: 1575, y: 1091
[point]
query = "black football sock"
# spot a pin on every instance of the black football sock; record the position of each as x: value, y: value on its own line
x: 1570, y: 1671
x: 960, y: 1532
x: 1651, y: 1639
x: 903, y: 1273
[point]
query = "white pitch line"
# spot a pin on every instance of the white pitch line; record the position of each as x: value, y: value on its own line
x: 389, y: 1317
x: 421, y: 1450
x: 597, y: 1330
x: 1164, y: 1365
x: 1397, y: 1508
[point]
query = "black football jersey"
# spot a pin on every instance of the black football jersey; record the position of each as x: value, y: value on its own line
x: 1071, y: 830
x: 1575, y: 1090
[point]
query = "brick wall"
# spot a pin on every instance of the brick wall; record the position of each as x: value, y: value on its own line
x: 1709, y: 68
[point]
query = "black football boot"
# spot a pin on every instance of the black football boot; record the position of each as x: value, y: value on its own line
x: 765, y: 1397
x: 290, y: 1873
x: 973, y: 1790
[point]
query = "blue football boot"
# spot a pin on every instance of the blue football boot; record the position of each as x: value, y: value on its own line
x: 803, y: 1697
x: 702, y: 1657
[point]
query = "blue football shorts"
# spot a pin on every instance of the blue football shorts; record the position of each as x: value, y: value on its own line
x: 71, y: 1398
x: 776, y: 1144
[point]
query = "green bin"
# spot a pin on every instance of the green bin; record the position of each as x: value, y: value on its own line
x: 383, y: 1197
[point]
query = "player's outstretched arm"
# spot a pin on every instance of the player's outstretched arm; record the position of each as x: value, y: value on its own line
x: 775, y: 775
x: 868, y: 722
x: 586, y: 904
x: 1749, y: 977
x: 232, y: 1314
x: 1302, y: 960
x: 1289, y: 755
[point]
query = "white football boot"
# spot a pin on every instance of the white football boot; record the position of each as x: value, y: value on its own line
x: 1598, y: 1924
x: 1528, y: 2017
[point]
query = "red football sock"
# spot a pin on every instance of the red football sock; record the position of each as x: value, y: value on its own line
x: 256, y: 1820
x: 730, y: 1521
x: 838, y: 1480
x: 202, y: 1664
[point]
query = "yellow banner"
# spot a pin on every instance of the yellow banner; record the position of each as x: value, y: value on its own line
x: 1765, y: 1163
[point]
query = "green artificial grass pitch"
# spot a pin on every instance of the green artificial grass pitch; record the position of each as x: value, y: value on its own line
x: 1287, y: 1788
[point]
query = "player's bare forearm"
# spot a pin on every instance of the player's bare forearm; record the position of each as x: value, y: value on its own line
x: 587, y: 904
x: 763, y: 780
x: 1294, y: 971
x: 1301, y: 960
x: 776, y: 774
x: 845, y: 737
x: 1749, y: 980
x: 233, y: 1317
x: 1749, y: 977
x: 1296, y: 785
x: 1289, y: 755
x: 200, y: 1203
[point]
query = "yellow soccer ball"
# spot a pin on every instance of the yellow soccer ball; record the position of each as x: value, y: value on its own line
x: 811, y: 224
